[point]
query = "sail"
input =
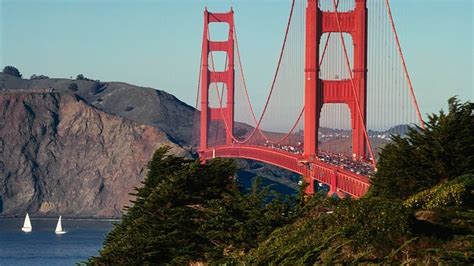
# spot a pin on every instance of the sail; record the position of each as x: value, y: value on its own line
x: 27, y: 223
x: 59, y: 227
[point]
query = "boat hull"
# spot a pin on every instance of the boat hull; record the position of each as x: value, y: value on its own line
x: 26, y: 229
x: 60, y: 232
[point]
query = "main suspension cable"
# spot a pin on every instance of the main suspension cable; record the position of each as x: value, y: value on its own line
x: 257, y: 126
x: 405, y: 69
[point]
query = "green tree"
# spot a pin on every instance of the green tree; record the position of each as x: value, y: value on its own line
x: 73, y: 87
x: 331, y: 231
x: 442, y: 151
x: 457, y: 192
x: 34, y: 76
x: 12, y: 71
x: 189, y: 211
x: 431, y: 167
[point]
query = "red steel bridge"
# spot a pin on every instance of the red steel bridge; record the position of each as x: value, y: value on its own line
x: 339, y: 90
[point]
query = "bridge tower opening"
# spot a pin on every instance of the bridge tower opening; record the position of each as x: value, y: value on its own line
x: 210, y: 77
x: 320, y: 91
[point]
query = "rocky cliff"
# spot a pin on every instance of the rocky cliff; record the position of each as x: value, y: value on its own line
x: 59, y: 154
x: 140, y: 104
x: 78, y: 147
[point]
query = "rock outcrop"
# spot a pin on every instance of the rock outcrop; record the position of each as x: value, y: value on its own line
x: 140, y: 104
x: 78, y: 147
x: 59, y: 154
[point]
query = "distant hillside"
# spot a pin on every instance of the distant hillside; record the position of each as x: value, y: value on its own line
x: 145, y: 105
x: 59, y: 155
x: 41, y: 169
x: 153, y: 107
x: 36, y: 108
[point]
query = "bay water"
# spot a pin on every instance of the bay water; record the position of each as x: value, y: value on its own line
x: 42, y: 246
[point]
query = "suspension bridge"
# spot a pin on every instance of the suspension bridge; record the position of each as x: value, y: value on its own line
x: 340, y: 88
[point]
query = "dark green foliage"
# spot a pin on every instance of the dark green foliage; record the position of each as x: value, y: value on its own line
x: 332, y: 231
x: 98, y: 87
x: 456, y: 192
x: 73, y: 87
x: 432, y: 168
x: 418, y: 211
x: 12, y: 71
x: 302, y: 241
x: 34, y: 76
x: 80, y: 77
x: 189, y: 211
x: 440, y: 152
x: 373, y: 222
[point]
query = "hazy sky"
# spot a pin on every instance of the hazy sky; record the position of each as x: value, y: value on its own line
x: 157, y: 43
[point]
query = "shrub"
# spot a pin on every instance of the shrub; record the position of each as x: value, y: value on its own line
x: 34, y: 76
x: 12, y: 71
x: 189, y: 211
x: 368, y: 228
x: 98, y: 87
x: 453, y: 193
x: 442, y: 151
x: 73, y: 87
x: 376, y: 222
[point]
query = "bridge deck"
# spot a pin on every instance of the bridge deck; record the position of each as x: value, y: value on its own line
x: 338, y: 179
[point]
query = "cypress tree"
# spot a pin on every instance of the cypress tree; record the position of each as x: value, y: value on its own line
x: 442, y: 151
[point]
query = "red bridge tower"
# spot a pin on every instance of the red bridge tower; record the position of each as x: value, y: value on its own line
x: 209, y: 78
x: 319, y: 92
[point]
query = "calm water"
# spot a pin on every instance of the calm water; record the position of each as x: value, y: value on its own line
x: 44, y: 247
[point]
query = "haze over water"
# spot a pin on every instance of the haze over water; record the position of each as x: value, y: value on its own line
x: 43, y: 247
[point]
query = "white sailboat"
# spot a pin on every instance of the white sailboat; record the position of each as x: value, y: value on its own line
x: 59, y: 228
x: 27, y: 224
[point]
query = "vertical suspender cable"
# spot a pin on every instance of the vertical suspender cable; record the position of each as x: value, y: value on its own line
x: 405, y: 69
x: 268, y: 98
x: 196, y: 104
x: 353, y: 87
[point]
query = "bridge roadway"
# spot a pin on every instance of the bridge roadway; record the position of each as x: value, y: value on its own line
x: 338, y: 179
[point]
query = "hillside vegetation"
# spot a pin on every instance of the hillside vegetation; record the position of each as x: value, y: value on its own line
x: 189, y: 211
x: 419, y: 210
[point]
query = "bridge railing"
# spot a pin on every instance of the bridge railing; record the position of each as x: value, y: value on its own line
x: 339, y: 180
